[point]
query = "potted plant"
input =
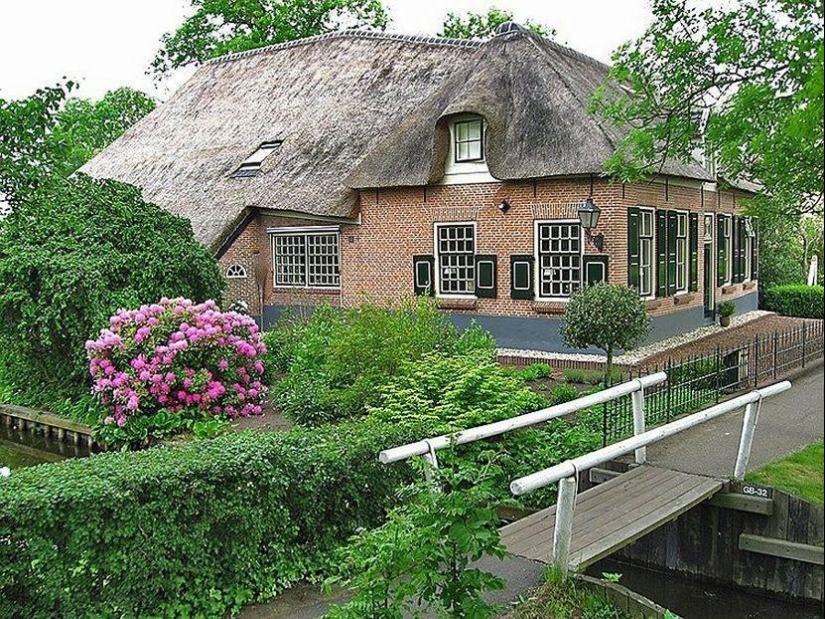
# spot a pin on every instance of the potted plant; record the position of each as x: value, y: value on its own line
x: 726, y: 309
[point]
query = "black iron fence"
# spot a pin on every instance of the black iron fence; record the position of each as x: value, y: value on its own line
x: 698, y: 381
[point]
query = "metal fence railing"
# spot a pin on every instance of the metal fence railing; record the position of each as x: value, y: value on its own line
x: 696, y: 381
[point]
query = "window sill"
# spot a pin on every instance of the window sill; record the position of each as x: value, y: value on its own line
x: 448, y: 303
x: 549, y: 307
x: 653, y: 304
x: 729, y: 288
x: 683, y: 298
x: 748, y: 285
x: 305, y: 290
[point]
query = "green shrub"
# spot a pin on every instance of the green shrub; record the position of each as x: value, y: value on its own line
x: 193, y: 530
x: 72, y: 254
x: 575, y: 375
x: 563, y: 393
x: 726, y: 309
x: 796, y: 300
x: 534, y: 371
x: 342, y: 356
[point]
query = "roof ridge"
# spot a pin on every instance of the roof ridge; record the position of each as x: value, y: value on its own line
x: 348, y: 34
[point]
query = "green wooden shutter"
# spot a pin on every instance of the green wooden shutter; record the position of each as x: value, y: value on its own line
x: 595, y: 269
x: 693, y: 246
x: 423, y: 270
x: 755, y: 255
x: 721, y: 252
x: 633, y: 253
x: 672, y: 223
x: 521, y: 277
x: 661, y: 254
x: 743, y: 246
x: 486, y: 276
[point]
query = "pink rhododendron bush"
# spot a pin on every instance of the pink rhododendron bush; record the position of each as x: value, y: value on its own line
x: 178, y: 357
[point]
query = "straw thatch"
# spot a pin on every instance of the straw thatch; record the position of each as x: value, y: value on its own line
x: 329, y: 98
x: 533, y: 94
x: 355, y: 110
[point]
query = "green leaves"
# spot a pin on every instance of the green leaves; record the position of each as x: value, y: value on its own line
x: 744, y: 83
x: 219, y: 27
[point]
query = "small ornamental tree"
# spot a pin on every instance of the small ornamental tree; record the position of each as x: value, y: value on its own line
x: 70, y: 255
x: 178, y: 356
x: 607, y: 316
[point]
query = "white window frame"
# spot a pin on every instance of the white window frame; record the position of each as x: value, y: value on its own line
x: 437, y: 255
x: 235, y: 271
x: 252, y: 164
x: 683, y: 242
x: 305, y: 232
x: 727, y: 236
x: 649, y: 240
x: 537, y: 281
x: 456, y: 142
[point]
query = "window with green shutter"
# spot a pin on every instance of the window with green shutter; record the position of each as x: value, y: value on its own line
x: 423, y: 267
x: 486, y: 277
x: 595, y: 270
x: 694, y: 252
x: 672, y: 254
x: 521, y: 277
x: 662, y: 251
x: 633, y: 275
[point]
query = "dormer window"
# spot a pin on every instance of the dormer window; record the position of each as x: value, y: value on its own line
x: 251, y: 166
x: 468, y: 136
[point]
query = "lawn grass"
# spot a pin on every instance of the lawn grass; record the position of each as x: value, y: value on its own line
x: 801, y: 474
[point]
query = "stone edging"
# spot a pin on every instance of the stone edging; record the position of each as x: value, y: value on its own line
x: 632, y: 603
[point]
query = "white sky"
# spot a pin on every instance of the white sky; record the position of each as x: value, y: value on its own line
x: 105, y: 44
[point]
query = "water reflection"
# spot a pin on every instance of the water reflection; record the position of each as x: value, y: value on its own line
x: 694, y: 600
x: 20, y: 448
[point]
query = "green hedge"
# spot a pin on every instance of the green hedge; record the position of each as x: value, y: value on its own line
x: 796, y: 300
x: 192, y: 530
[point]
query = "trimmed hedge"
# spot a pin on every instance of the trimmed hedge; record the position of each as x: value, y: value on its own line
x: 796, y: 300
x: 192, y: 530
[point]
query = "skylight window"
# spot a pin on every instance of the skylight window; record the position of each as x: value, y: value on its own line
x: 251, y: 166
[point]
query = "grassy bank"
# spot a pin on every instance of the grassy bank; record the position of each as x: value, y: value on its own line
x: 800, y: 473
x: 565, y: 600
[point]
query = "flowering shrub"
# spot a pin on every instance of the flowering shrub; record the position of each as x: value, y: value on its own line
x: 176, y: 356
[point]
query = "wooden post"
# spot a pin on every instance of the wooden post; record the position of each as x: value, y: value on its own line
x: 638, y: 399
x: 746, y: 440
x: 563, y: 533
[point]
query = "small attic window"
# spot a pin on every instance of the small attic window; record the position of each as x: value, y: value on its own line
x: 252, y: 164
x: 235, y: 271
x: 468, y: 136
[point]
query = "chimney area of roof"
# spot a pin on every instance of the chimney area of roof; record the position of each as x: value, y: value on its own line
x: 510, y: 26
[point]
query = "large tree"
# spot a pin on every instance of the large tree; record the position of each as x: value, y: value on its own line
x: 49, y: 134
x: 484, y: 25
x: 218, y: 27
x: 744, y: 80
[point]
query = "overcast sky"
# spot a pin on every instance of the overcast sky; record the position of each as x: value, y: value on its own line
x: 105, y: 44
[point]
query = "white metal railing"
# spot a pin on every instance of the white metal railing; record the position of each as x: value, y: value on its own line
x: 428, y: 447
x: 566, y: 473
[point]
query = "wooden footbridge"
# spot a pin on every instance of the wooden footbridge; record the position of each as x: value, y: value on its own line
x: 619, y: 511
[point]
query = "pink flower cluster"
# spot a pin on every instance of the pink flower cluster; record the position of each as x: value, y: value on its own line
x: 176, y: 355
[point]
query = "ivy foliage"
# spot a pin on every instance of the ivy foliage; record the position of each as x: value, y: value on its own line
x: 484, y: 25
x: 218, y: 27
x: 743, y: 80
x: 607, y: 316
x: 199, y: 529
x: 71, y: 255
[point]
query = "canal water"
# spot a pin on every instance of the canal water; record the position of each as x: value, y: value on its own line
x: 694, y: 600
x: 21, y: 448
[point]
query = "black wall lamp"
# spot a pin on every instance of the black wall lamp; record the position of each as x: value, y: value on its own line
x: 589, y: 217
x: 504, y: 206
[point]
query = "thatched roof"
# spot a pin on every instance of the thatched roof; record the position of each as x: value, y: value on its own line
x: 533, y: 94
x: 354, y: 110
x: 329, y: 98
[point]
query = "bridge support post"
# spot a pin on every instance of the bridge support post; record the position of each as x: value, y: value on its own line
x: 563, y: 533
x: 746, y: 440
x: 638, y: 400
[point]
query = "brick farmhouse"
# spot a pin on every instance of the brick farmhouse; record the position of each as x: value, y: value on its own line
x: 368, y: 166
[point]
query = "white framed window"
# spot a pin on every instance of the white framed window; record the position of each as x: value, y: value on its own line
x: 559, y: 258
x: 750, y: 235
x: 682, y: 259
x: 647, y: 253
x: 307, y: 258
x: 725, y: 257
x: 455, y: 249
x: 235, y: 271
x: 251, y: 166
x: 468, y: 140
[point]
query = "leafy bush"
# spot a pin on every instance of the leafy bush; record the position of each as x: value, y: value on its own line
x: 70, y: 256
x: 607, y: 316
x: 796, y: 300
x: 174, y: 356
x: 726, y: 309
x: 342, y: 356
x: 198, y: 529
x: 575, y: 375
x: 534, y: 371
x: 563, y: 393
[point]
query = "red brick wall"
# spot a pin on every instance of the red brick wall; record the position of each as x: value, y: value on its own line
x: 376, y: 256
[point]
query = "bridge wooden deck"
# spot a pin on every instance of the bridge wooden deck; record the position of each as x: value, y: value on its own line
x: 612, y: 515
